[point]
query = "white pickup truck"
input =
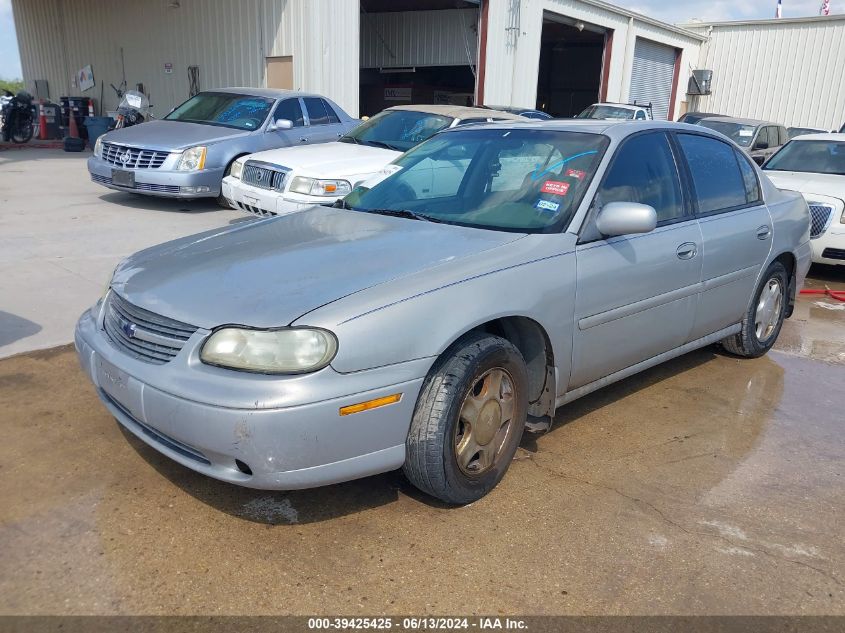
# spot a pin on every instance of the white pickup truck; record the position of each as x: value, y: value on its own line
x: 285, y: 180
x: 618, y: 111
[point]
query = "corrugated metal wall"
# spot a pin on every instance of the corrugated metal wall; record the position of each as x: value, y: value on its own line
x: 419, y: 38
x: 514, y: 37
x: 228, y: 40
x: 790, y: 72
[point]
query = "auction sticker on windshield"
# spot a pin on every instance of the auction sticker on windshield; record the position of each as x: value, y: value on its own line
x: 555, y: 187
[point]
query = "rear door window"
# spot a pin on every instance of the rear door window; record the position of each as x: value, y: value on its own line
x: 333, y: 118
x: 719, y: 183
x: 317, y: 114
x: 783, y: 136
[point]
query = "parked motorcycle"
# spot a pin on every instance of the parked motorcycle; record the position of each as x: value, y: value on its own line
x: 18, y: 117
x: 134, y: 109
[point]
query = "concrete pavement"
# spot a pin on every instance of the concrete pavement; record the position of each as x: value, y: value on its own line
x: 61, y: 237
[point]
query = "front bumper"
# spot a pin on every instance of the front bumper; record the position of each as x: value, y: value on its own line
x: 267, y: 202
x: 161, y: 182
x: 832, y: 241
x: 303, y: 445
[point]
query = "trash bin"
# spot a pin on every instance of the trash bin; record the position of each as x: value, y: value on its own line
x: 97, y: 126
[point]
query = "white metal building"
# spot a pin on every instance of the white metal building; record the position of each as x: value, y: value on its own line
x: 366, y: 54
x: 789, y: 71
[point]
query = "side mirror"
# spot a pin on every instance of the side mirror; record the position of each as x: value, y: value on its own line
x: 626, y: 218
x: 761, y: 145
x: 279, y: 124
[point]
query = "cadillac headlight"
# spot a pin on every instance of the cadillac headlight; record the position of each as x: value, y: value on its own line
x: 193, y: 159
x: 237, y: 169
x: 283, y: 351
x: 323, y: 188
x: 98, y: 147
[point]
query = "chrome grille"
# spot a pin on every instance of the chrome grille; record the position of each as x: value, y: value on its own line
x: 820, y: 216
x: 263, y: 176
x: 143, y: 334
x: 135, y: 157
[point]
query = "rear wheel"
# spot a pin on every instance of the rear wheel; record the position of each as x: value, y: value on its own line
x: 469, y: 419
x: 22, y: 129
x: 765, y: 316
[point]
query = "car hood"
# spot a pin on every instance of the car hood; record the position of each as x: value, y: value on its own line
x: 821, y: 184
x: 325, y: 160
x: 172, y: 135
x: 269, y: 273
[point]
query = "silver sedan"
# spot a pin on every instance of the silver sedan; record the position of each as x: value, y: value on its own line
x: 487, y: 277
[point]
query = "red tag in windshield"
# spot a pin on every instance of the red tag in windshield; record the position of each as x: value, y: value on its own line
x: 555, y: 187
x: 575, y: 173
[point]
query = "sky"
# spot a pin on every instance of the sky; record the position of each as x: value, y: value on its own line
x: 667, y: 10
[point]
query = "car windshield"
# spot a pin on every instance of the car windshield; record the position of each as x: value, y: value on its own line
x: 817, y: 157
x: 242, y: 112
x: 606, y: 112
x: 802, y: 131
x: 398, y: 130
x: 518, y: 180
x: 739, y: 133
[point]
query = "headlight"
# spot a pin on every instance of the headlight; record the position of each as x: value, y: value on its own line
x: 237, y: 169
x: 98, y: 147
x: 193, y: 159
x: 324, y: 188
x: 284, y: 351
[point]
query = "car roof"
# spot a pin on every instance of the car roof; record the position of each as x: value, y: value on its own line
x: 731, y: 119
x: 828, y: 136
x: 272, y: 93
x: 459, y: 112
x: 617, y: 130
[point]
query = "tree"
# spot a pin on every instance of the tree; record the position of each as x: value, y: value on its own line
x: 12, y: 85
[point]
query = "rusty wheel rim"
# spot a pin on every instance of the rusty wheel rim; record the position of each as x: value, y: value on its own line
x: 485, y: 422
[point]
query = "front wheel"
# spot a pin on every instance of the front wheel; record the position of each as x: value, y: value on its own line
x: 765, y: 316
x: 469, y: 419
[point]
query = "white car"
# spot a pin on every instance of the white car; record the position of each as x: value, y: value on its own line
x: 285, y: 180
x: 618, y: 112
x: 814, y: 165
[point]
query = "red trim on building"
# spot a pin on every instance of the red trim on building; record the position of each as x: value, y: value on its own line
x: 671, y: 114
x: 481, y: 66
x: 605, y: 65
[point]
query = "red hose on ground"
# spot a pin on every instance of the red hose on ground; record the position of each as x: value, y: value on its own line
x: 839, y: 295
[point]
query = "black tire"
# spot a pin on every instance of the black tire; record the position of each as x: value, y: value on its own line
x: 747, y: 343
x: 431, y: 463
x: 22, y: 130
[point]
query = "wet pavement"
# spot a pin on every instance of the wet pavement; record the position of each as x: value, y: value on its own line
x: 707, y: 485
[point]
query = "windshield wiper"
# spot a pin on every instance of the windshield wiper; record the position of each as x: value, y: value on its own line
x: 384, y: 145
x: 347, y: 138
x: 401, y: 213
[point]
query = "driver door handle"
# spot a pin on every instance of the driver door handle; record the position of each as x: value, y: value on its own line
x: 687, y: 250
x: 304, y: 139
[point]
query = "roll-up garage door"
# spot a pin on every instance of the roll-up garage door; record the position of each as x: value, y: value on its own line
x: 652, y: 76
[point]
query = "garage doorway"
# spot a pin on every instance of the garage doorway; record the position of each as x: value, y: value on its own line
x: 417, y: 51
x: 572, y: 58
x: 280, y: 72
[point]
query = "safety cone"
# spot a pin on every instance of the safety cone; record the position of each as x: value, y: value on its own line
x: 42, y: 122
x: 73, y: 128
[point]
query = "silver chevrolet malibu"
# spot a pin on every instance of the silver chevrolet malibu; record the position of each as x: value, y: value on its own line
x: 487, y: 277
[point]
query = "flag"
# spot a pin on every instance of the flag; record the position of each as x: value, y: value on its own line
x: 825, y: 9
x: 779, y: 10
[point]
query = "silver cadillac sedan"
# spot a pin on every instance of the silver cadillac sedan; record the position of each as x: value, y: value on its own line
x: 485, y: 278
